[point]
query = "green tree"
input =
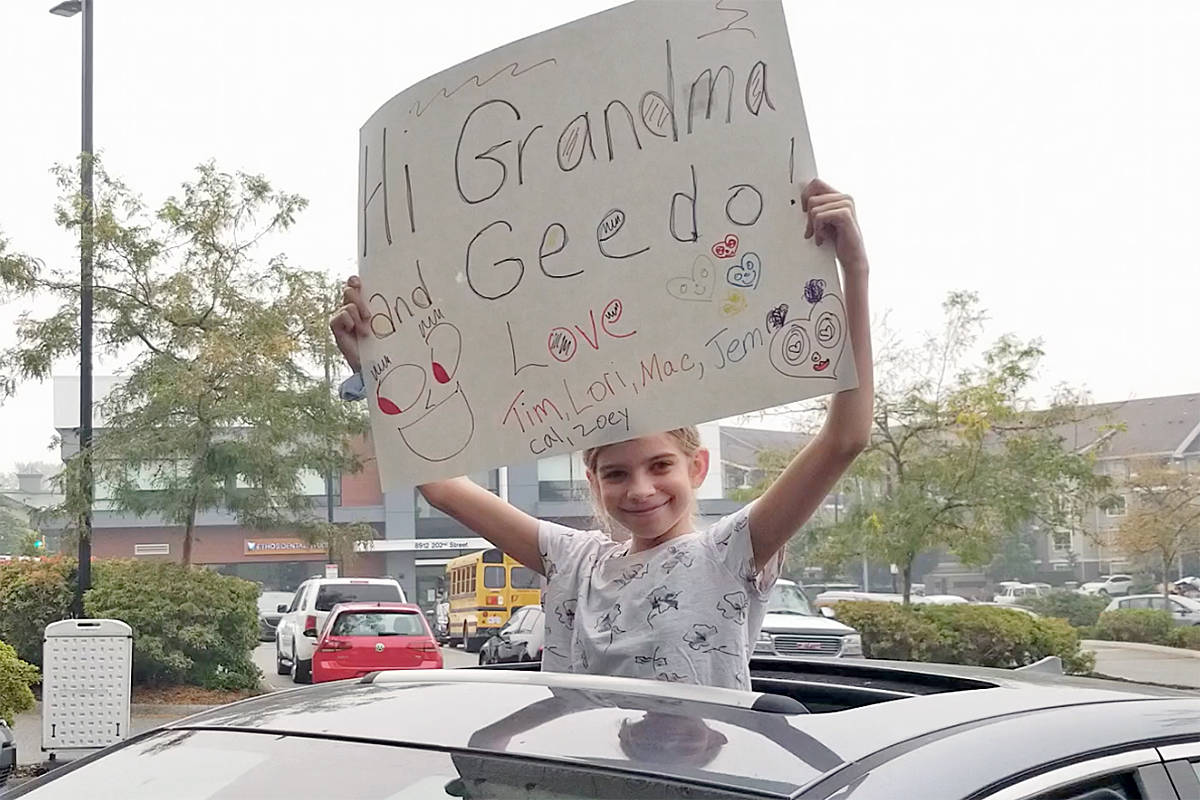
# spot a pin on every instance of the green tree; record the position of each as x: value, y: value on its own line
x: 1163, y: 519
x: 219, y: 406
x: 958, y: 460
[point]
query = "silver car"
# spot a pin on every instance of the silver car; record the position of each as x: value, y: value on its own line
x: 1184, y: 610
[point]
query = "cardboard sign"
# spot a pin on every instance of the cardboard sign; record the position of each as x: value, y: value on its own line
x: 589, y: 235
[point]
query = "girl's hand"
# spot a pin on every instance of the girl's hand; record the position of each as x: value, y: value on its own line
x: 831, y: 217
x: 351, y: 323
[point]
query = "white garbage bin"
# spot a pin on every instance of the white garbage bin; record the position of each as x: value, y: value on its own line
x: 87, y: 667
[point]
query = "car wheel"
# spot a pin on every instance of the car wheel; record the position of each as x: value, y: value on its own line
x: 1103, y: 592
x: 301, y: 670
x: 281, y: 667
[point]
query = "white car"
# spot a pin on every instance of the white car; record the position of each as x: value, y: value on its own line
x: 1108, y: 585
x: 828, y: 599
x: 792, y: 628
x: 1184, y: 610
x: 311, y: 604
x: 1015, y: 593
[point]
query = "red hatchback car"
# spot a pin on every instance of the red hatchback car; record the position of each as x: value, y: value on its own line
x: 365, y: 637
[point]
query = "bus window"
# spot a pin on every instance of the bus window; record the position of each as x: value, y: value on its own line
x: 493, y: 577
x: 525, y: 578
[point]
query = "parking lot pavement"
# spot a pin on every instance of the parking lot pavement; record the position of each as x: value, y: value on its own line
x: 1146, y: 662
x: 264, y: 657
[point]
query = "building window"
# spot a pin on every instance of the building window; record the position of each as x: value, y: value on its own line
x: 1061, y: 539
x: 562, y: 478
x: 1115, y: 507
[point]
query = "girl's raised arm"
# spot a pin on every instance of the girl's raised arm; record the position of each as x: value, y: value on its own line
x: 816, y: 469
x: 502, y: 524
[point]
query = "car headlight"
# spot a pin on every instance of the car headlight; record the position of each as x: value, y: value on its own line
x: 852, y: 645
x: 765, y: 643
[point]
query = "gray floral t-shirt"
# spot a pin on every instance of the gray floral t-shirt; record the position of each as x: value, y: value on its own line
x: 688, y: 610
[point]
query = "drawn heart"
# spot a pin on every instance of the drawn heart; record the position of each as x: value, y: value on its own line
x: 698, y: 287
x: 811, y: 347
x: 726, y: 248
x: 746, y: 273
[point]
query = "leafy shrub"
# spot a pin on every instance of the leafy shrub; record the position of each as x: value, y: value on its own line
x: 32, y: 595
x: 1080, y: 610
x: 190, y: 626
x: 1135, y: 625
x: 961, y: 634
x: 16, y: 676
x: 1188, y: 638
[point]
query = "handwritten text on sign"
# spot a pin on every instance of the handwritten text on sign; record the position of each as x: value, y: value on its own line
x: 592, y: 234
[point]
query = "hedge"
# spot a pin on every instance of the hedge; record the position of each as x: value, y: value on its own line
x: 1080, y: 610
x: 32, y: 595
x: 1186, y: 637
x: 1135, y: 625
x: 16, y: 676
x: 190, y: 626
x: 982, y: 636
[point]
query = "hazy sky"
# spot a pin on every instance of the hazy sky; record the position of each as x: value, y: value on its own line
x: 1046, y: 155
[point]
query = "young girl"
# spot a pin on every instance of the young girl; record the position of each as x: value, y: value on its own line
x: 670, y: 601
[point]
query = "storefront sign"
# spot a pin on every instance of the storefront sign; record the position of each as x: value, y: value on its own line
x: 410, y: 545
x: 290, y: 546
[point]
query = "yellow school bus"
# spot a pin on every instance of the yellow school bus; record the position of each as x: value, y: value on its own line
x: 485, y: 588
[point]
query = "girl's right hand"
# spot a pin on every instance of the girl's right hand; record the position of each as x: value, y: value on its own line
x: 351, y: 322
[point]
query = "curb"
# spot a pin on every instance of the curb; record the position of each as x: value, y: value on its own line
x: 1177, y: 652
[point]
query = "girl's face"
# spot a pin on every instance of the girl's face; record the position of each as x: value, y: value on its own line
x: 648, y: 486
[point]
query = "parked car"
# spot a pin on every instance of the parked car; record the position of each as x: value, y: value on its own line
x: 811, y: 729
x: 827, y: 599
x: 792, y: 627
x: 1015, y: 593
x: 520, y: 639
x: 8, y: 752
x: 1188, y: 587
x: 811, y: 590
x: 309, y: 607
x: 1184, y: 610
x: 1010, y: 607
x: 1108, y: 585
x: 359, y: 638
x: 269, y: 613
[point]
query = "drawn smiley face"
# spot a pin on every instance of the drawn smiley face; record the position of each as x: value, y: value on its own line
x: 428, y: 403
x: 811, y: 347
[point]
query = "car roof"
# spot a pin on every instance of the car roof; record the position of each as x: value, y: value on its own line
x: 323, y: 581
x: 360, y: 605
x: 579, y: 718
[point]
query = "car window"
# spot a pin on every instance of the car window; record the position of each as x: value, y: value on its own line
x: 493, y: 578
x: 1158, y: 604
x: 296, y: 599
x: 1109, y: 787
x: 514, y: 622
x: 215, y: 765
x: 1137, y: 602
x: 525, y: 578
x: 786, y: 598
x: 330, y: 594
x: 377, y: 623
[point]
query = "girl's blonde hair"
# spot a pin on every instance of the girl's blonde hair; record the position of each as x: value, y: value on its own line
x: 688, y: 441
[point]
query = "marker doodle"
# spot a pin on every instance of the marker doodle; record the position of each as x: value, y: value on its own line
x: 745, y: 274
x: 732, y: 26
x: 696, y: 287
x: 734, y: 304
x: 811, y: 347
x: 442, y: 426
x: 776, y: 317
x: 513, y: 69
x: 727, y: 247
x: 814, y: 290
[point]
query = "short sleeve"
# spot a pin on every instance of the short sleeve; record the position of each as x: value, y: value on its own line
x: 729, y: 539
x: 562, y: 548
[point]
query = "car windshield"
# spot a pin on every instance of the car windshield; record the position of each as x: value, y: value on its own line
x: 1187, y: 602
x: 786, y: 598
x: 525, y: 578
x: 269, y: 602
x: 377, y: 623
x: 224, y: 764
x: 330, y: 594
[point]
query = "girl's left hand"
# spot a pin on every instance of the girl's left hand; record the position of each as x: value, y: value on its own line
x: 831, y: 217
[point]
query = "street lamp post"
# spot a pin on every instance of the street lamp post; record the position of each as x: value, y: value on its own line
x: 70, y: 8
